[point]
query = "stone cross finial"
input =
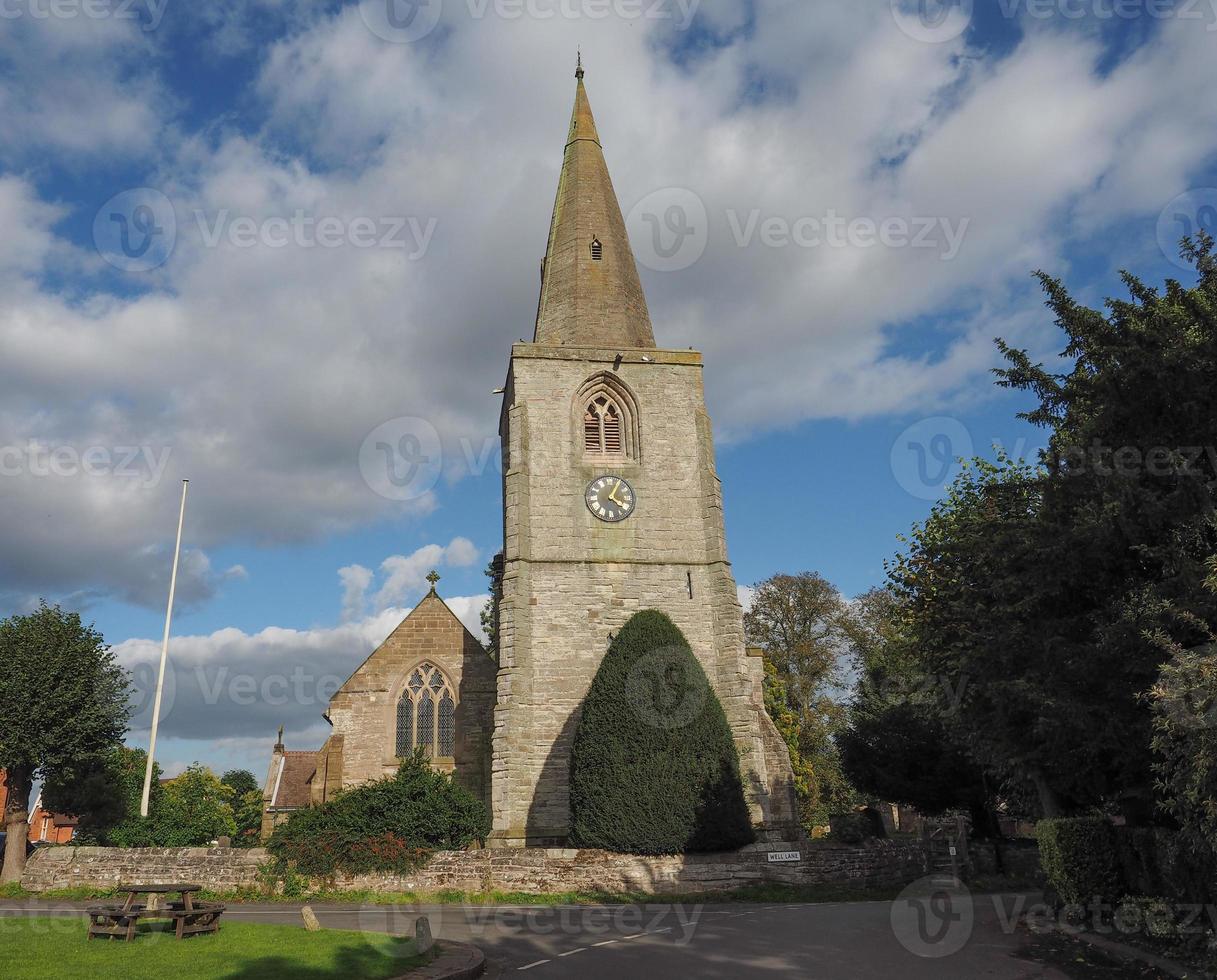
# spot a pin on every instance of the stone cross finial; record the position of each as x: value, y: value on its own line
x: 433, y: 577
x: 579, y: 66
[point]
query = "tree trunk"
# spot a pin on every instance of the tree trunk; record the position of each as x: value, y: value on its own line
x: 1050, y: 803
x: 16, y: 824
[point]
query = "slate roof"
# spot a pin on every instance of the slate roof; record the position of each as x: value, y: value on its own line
x: 293, y: 780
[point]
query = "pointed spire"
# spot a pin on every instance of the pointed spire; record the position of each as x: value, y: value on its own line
x: 590, y: 292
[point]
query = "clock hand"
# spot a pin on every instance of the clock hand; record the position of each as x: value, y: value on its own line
x: 613, y: 495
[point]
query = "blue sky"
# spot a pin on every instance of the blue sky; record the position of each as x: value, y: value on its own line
x: 241, y: 348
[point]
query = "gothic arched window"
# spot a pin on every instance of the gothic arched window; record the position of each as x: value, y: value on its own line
x: 609, y: 418
x: 426, y: 714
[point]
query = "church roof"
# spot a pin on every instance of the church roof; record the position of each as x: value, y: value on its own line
x: 590, y: 292
x: 416, y: 619
x: 291, y: 782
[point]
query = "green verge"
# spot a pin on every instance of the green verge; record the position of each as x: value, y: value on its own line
x: 35, y: 948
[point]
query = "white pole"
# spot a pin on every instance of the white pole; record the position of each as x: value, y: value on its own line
x: 160, y: 677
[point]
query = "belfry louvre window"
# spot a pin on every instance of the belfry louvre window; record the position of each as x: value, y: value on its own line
x: 608, y: 414
x: 602, y: 427
x: 597, y: 250
x: 426, y: 714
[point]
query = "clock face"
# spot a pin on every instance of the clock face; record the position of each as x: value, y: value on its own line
x: 610, y: 498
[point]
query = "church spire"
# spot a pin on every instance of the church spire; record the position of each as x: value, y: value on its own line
x: 590, y: 292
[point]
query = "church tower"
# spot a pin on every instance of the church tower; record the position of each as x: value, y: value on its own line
x: 611, y: 505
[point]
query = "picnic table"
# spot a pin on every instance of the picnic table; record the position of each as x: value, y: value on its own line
x: 190, y: 917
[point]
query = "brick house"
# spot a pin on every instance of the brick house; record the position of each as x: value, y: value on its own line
x: 50, y: 828
x: 45, y: 827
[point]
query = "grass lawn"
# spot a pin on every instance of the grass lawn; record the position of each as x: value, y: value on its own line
x: 37, y: 948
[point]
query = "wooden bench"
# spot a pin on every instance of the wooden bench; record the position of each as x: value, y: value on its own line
x: 190, y: 918
x: 114, y: 921
x: 203, y: 917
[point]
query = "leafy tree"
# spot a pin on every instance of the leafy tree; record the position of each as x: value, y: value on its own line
x: 1047, y: 595
x: 654, y: 768
x: 972, y: 588
x: 194, y: 809
x: 106, y: 798
x: 389, y: 825
x: 63, y: 705
x: 803, y: 625
x: 899, y: 745
x: 1129, y: 498
x: 822, y: 787
x: 246, y: 805
x: 489, y: 615
x: 240, y: 781
x: 1184, y: 704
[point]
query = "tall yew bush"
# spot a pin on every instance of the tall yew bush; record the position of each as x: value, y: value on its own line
x: 654, y: 769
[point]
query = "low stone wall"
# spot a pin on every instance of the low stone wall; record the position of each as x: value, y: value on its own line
x: 536, y: 870
x: 551, y: 870
x: 216, y: 868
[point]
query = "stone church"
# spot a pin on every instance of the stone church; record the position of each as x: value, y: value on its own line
x: 611, y: 504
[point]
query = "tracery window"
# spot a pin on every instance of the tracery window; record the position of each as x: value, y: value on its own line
x: 602, y: 427
x: 609, y: 417
x: 426, y: 714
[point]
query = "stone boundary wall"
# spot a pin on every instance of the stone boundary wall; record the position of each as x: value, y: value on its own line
x: 536, y: 870
x: 216, y: 868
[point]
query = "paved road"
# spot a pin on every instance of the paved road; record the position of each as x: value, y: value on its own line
x: 733, y: 942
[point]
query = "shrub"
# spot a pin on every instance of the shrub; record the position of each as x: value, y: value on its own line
x: 654, y: 769
x: 392, y: 825
x: 856, y: 826
x: 1160, y: 861
x: 1078, y: 858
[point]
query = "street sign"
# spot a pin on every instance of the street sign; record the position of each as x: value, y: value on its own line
x: 784, y: 857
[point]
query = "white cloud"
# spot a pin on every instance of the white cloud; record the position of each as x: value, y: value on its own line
x: 355, y: 580
x: 231, y: 684
x: 261, y: 369
x: 405, y: 574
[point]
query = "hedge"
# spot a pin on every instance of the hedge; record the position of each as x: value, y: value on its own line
x: 1078, y: 855
x: 654, y: 768
x: 392, y: 825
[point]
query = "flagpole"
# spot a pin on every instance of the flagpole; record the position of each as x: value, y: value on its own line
x: 160, y: 677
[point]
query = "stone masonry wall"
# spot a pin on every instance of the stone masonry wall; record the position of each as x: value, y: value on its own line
x: 216, y: 868
x: 535, y: 870
x: 570, y: 580
x: 364, y: 710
